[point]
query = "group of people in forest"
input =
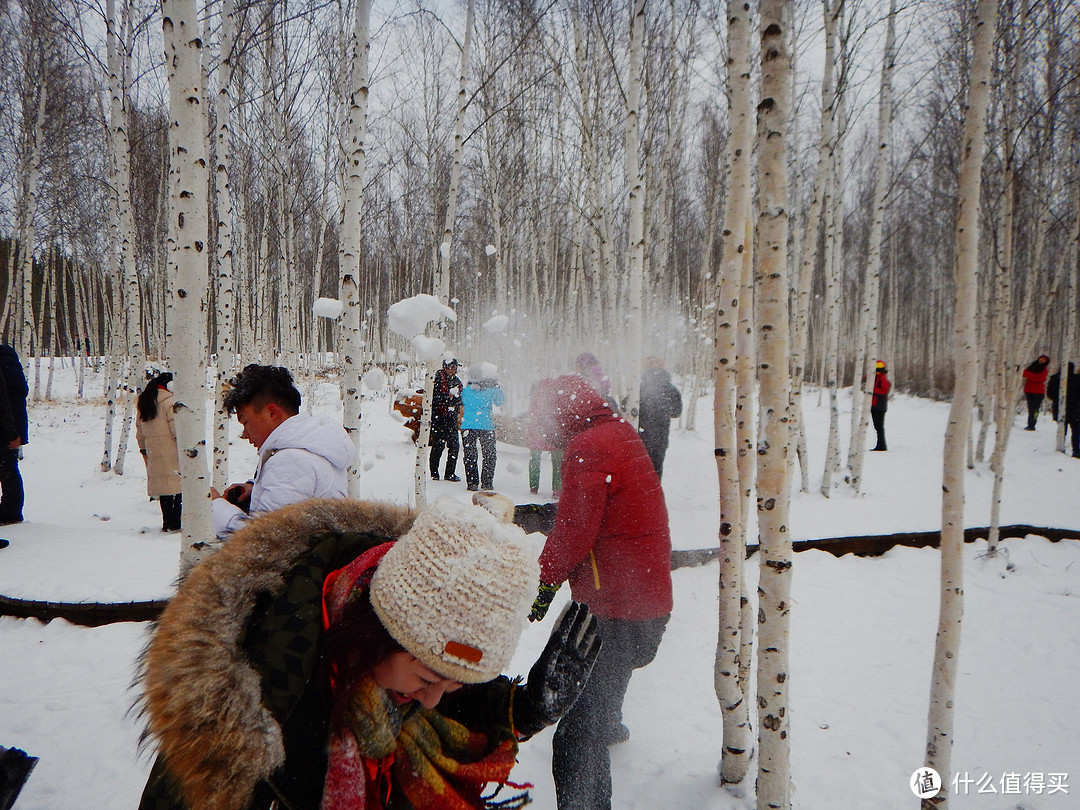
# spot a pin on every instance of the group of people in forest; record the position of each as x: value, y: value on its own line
x: 470, y: 411
x: 355, y: 657
x: 1039, y: 385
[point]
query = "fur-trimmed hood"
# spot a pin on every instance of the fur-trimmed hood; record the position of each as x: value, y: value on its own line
x: 201, y: 698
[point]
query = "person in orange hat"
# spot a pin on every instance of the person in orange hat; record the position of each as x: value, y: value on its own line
x: 880, y: 403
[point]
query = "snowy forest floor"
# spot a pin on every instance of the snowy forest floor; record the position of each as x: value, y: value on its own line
x: 862, y: 627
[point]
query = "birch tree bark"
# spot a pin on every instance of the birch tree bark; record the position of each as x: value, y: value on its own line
x: 121, y: 154
x: 1000, y: 355
x: 185, y: 336
x: 872, y: 276
x: 808, y: 259
x: 350, y: 237
x: 442, y: 286
x: 29, y: 177
x: 635, y: 178
x: 774, y: 587
x: 730, y: 690
x: 225, y: 297
x: 939, y: 736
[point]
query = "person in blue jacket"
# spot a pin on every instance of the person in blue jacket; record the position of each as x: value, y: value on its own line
x: 478, y: 399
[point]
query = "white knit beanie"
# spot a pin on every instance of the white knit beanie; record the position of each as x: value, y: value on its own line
x: 456, y: 589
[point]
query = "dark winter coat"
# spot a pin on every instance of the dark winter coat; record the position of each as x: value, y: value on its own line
x: 660, y: 403
x: 14, y: 423
x: 611, y: 538
x: 882, y: 385
x: 231, y: 689
x: 1072, y: 404
x: 446, y: 399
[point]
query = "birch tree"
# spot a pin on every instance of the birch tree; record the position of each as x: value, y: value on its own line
x: 121, y: 166
x: 773, y: 496
x: 731, y: 691
x: 947, y: 648
x: 872, y: 276
x: 635, y: 178
x: 351, y: 244
x: 808, y: 259
x: 185, y: 335
x: 226, y: 305
x: 1000, y: 356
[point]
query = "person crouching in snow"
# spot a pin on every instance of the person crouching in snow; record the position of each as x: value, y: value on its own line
x: 612, y: 542
x: 344, y: 654
x: 300, y: 456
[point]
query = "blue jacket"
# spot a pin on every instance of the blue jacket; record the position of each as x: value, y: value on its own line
x: 478, y: 399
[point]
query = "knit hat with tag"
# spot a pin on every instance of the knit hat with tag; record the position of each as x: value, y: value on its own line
x: 456, y: 589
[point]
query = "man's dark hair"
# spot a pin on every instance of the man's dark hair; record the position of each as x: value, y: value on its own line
x: 260, y: 385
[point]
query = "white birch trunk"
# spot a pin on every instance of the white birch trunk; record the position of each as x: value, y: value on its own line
x: 635, y: 179
x: 226, y: 305
x: 442, y: 286
x: 774, y: 588
x: 349, y: 257
x: 808, y: 259
x: 30, y: 173
x: 121, y: 152
x: 939, y: 736
x: 746, y: 433
x: 185, y: 335
x: 832, y: 326
x: 730, y: 690
x: 1004, y: 377
x: 872, y: 285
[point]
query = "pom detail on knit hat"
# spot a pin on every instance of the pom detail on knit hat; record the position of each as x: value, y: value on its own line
x: 456, y: 589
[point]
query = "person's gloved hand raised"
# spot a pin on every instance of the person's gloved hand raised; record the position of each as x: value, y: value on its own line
x: 545, y: 593
x: 560, y: 673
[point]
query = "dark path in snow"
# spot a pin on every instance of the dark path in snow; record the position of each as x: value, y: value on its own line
x: 540, y: 518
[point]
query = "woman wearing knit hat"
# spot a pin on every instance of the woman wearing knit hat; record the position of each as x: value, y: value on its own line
x: 343, y: 654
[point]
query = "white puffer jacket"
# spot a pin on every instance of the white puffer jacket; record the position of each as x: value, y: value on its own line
x: 304, y: 457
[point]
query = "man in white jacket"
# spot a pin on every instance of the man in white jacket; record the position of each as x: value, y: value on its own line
x: 300, y: 456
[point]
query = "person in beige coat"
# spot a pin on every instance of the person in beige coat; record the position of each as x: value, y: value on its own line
x: 156, y: 434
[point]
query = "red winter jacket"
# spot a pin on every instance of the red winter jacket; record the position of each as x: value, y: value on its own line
x: 611, y: 538
x: 1035, y: 381
x: 882, y: 385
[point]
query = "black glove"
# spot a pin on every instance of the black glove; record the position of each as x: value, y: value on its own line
x: 560, y: 673
x: 545, y: 593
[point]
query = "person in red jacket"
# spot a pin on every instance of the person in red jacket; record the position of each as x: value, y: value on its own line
x: 880, y: 403
x: 1035, y: 388
x: 611, y: 541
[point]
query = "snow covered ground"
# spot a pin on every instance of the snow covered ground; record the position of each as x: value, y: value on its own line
x: 862, y: 628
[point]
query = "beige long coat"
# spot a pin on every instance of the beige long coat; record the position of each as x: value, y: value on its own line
x: 158, y: 439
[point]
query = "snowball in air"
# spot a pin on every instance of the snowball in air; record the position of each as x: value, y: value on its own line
x: 497, y: 324
x: 429, y: 349
x: 375, y: 379
x: 411, y: 316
